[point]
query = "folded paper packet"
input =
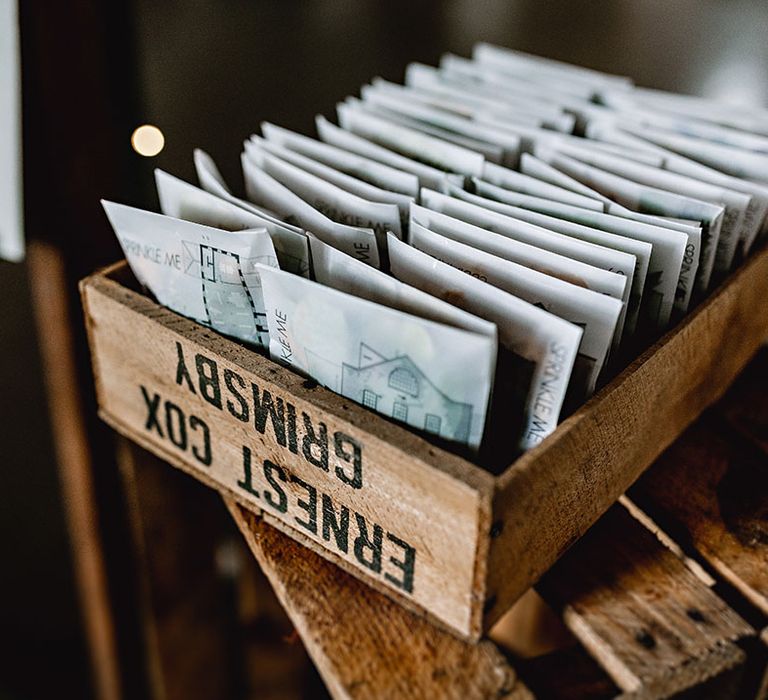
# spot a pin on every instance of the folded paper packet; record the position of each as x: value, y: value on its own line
x: 472, y: 253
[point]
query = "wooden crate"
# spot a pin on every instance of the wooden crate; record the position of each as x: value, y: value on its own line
x: 427, y: 527
x: 650, y: 617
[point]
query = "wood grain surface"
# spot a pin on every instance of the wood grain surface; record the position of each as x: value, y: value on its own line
x: 416, y: 523
x: 364, y: 645
x: 175, y: 526
x: 642, y: 615
x: 709, y: 490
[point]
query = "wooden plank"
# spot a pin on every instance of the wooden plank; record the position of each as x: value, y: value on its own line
x: 711, y: 493
x: 410, y: 517
x: 364, y: 645
x: 275, y: 663
x: 49, y: 287
x: 643, y: 616
x: 176, y: 527
x: 548, y: 658
x: 709, y: 490
x: 554, y: 492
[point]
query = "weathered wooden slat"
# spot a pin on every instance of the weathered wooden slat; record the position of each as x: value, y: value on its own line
x: 652, y: 624
x: 175, y: 526
x: 711, y: 492
x: 276, y: 665
x: 364, y: 645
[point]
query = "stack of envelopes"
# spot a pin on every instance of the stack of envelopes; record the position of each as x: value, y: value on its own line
x: 472, y: 253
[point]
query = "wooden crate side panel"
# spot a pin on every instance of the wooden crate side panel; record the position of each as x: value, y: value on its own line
x: 240, y: 423
x: 551, y: 496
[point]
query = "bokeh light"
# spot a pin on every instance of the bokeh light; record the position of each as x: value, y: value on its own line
x: 147, y: 140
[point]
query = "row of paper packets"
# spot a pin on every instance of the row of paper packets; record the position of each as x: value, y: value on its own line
x: 471, y: 253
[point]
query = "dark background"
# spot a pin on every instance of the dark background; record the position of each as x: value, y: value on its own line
x: 207, y: 72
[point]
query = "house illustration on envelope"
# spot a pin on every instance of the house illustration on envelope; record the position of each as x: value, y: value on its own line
x: 397, y: 387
